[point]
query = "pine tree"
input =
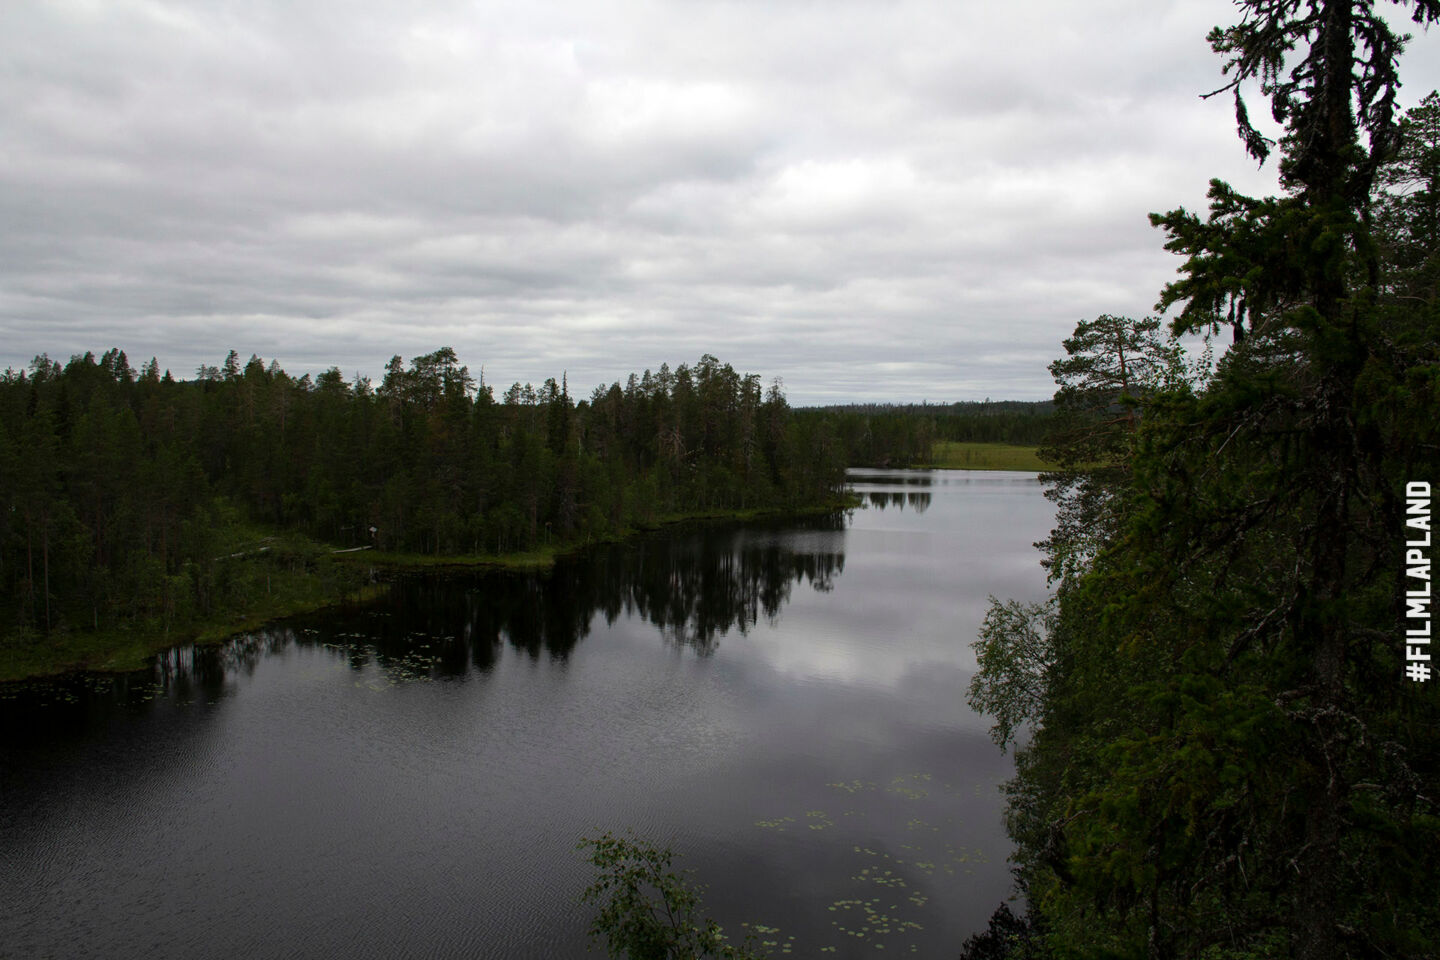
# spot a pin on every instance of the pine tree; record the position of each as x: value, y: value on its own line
x: 1228, y: 758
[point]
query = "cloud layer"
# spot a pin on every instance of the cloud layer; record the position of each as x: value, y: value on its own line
x: 873, y: 199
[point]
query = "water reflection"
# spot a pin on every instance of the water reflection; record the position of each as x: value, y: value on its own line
x: 909, y: 478
x: 799, y: 735
x: 694, y: 589
x: 919, y: 502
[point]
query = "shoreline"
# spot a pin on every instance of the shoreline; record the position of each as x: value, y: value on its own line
x: 128, y: 649
x: 543, y: 558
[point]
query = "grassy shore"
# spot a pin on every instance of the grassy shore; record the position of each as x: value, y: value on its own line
x: 958, y: 455
x: 544, y: 556
x: 292, y: 575
x: 131, y: 647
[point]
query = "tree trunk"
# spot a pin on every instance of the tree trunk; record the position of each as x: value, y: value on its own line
x: 45, y: 552
x: 1322, y: 635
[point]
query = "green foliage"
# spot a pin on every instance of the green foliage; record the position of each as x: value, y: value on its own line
x: 1014, y: 656
x: 917, y: 435
x: 1112, y: 368
x: 120, y: 496
x: 1228, y: 760
x: 648, y: 911
x: 1406, y: 212
x: 1006, y: 937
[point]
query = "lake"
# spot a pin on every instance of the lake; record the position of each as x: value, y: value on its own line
x: 782, y: 703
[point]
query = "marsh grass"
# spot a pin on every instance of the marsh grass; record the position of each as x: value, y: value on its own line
x: 958, y: 455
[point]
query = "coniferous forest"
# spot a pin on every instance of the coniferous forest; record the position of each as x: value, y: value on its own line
x: 131, y: 499
x: 1229, y: 729
x: 1225, y: 720
x: 906, y: 435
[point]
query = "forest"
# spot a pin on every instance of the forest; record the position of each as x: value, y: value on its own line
x: 904, y: 435
x: 1226, y: 729
x: 1226, y: 725
x: 132, y: 500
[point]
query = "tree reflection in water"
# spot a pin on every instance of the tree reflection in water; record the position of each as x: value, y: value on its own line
x: 694, y: 588
x: 919, y: 502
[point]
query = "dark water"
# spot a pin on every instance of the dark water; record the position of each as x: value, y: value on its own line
x: 784, y: 705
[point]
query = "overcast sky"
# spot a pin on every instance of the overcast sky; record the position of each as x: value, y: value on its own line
x: 883, y: 199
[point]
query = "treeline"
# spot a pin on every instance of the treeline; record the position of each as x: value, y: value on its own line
x: 122, y: 491
x: 1228, y: 712
x: 899, y: 435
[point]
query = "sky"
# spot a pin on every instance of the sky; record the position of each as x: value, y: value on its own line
x: 874, y: 200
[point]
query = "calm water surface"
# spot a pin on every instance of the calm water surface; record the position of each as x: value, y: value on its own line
x: 784, y: 705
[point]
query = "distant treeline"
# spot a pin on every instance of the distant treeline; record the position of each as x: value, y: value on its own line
x: 896, y: 435
x: 122, y: 490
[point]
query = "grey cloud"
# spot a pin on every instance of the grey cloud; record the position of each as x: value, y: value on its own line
x: 904, y: 200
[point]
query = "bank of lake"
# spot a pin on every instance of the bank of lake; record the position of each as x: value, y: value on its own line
x: 291, y: 574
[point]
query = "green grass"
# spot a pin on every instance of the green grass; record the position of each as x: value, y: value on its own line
x: 292, y: 574
x: 959, y: 455
x: 538, y: 559
x: 842, y: 503
x: 119, y: 649
x: 544, y: 556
